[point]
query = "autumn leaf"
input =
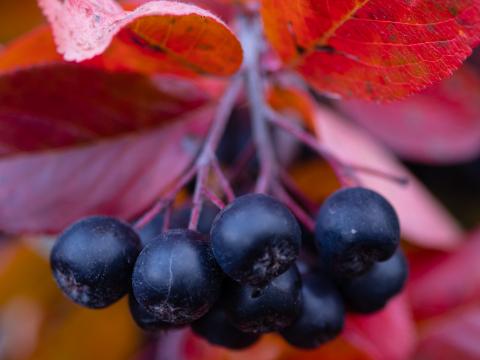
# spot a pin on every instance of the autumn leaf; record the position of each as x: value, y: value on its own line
x: 87, y: 142
x: 446, y: 282
x: 446, y: 118
x: 370, y: 49
x: 157, y: 36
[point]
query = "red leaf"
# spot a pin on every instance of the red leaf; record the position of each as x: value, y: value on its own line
x: 423, y: 220
x: 90, y: 142
x: 440, y: 125
x: 454, y: 336
x: 370, y: 49
x: 157, y: 36
x: 387, y: 335
x: 446, y: 282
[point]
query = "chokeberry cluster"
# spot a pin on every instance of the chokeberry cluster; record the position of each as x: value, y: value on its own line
x: 239, y: 277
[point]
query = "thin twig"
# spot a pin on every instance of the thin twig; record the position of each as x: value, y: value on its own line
x: 296, y: 209
x: 223, y: 181
x: 204, y: 161
x: 345, y: 172
x: 214, y: 199
x: 166, y: 199
x: 251, y: 38
x: 242, y: 161
x: 293, y: 188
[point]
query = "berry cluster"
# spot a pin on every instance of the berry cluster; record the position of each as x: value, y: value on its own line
x: 241, y: 278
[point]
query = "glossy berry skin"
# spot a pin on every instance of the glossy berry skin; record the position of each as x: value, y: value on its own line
x: 92, y: 261
x: 145, y: 319
x: 371, y: 291
x: 217, y: 330
x: 176, y: 277
x: 255, y: 239
x: 355, y: 228
x: 261, y: 310
x: 321, y: 317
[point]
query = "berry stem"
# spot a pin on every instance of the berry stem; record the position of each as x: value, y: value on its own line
x: 210, y: 195
x: 251, y: 38
x: 223, y: 181
x: 207, y: 156
x: 296, y: 209
x: 166, y: 199
x: 293, y: 188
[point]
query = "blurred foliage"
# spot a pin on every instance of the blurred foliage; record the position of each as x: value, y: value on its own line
x: 456, y: 186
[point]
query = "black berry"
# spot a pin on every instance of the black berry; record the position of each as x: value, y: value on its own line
x: 371, y: 291
x: 255, y: 239
x: 217, y: 330
x: 145, y: 319
x: 92, y: 260
x: 176, y: 277
x: 261, y: 310
x: 355, y: 228
x: 321, y: 317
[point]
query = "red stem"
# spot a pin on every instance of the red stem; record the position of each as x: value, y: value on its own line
x: 296, y: 209
x: 222, y: 179
x: 210, y: 195
x: 309, y: 140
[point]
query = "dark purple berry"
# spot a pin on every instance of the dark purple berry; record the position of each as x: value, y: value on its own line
x: 321, y: 317
x: 355, y: 228
x: 255, y: 239
x: 176, y: 277
x: 145, y: 319
x: 92, y: 261
x: 217, y: 330
x: 261, y: 310
x: 371, y: 291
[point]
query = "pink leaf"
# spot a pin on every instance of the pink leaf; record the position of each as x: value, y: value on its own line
x: 454, y: 336
x: 423, y: 220
x: 446, y: 282
x: 440, y: 125
x: 387, y: 335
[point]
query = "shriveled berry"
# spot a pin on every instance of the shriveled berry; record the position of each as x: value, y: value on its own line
x: 355, y: 228
x: 322, y: 315
x: 145, y: 319
x: 176, y: 277
x: 255, y: 239
x: 261, y: 310
x: 217, y: 330
x: 92, y: 260
x: 371, y: 291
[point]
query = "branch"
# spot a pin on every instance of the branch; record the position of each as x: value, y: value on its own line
x: 251, y: 39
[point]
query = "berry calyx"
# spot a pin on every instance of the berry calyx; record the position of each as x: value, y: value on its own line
x: 217, y: 330
x: 371, y: 291
x: 262, y: 310
x: 321, y: 317
x: 93, y: 259
x: 255, y: 239
x: 176, y: 277
x: 355, y: 228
